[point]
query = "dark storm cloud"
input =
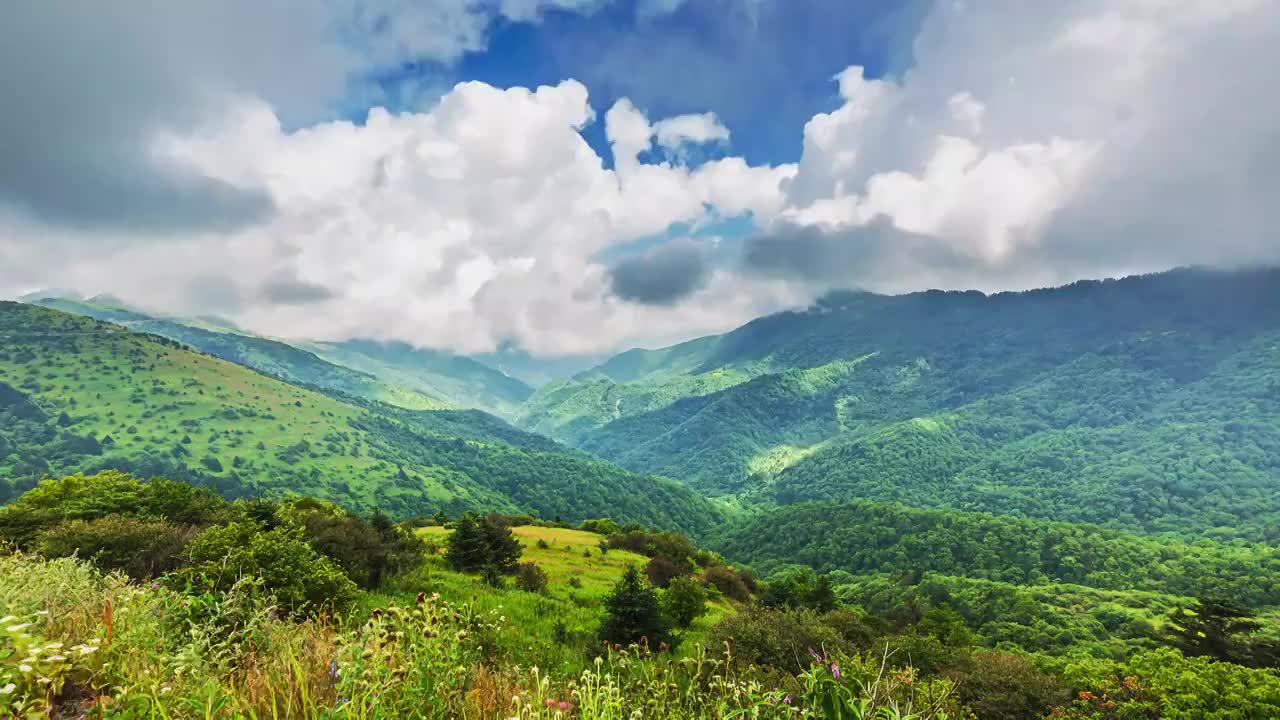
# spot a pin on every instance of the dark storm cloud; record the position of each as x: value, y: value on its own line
x: 87, y: 86
x: 660, y: 277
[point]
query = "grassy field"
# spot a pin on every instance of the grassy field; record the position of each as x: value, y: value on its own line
x: 532, y: 620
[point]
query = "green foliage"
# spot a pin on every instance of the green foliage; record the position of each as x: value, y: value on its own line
x: 251, y: 434
x: 633, y: 614
x: 367, y: 551
x: 865, y: 537
x: 302, y: 580
x: 777, y: 638
x: 684, y: 601
x: 137, y: 547
x: 479, y: 544
x: 1003, y: 686
x: 531, y: 578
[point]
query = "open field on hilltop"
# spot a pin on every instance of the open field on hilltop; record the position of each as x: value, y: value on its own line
x: 532, y: 619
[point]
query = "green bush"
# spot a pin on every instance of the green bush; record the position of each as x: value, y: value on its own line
x: 1001, y: 686
x: 684, y: 601
x: 773, y: 637
x: 531, y: 578
x: 139, y: 548
x: 367, y: 551
x: 300, y: 578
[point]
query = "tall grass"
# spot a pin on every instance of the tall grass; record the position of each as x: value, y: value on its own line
x: 77, y: 643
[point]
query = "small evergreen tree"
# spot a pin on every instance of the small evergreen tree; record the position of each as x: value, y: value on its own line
x: 504, y: 548
x: 477, y: 544
x: 633, y: 614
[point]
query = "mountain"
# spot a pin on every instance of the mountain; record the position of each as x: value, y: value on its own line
x: 535, y: 370
x: 454, y: 379
x: 1150, y: 403
x: 392, y: 373
x: 77, y: 394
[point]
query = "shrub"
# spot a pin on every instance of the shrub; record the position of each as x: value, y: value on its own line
x: 603, y: 526
x: 531, y: 578
x: 728, y: 582
x: 684, y: 601
x: 366, y: 551
x: 772, y: 637
x: 1001, y: 686
x: 661, y: 571
x: 139, y: 548
x: 300, y: 578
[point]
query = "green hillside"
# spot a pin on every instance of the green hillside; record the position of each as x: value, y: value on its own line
x: 454, y: 379
x: 386, y: 372
x: 1150, y: 403
x: 78, y: 394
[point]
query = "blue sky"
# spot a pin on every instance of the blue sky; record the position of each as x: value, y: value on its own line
x: 763, y: 67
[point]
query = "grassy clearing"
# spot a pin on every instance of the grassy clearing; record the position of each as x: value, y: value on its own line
x: 531, y: 630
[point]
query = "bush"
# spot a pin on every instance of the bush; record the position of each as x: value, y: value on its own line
x: 1001, y: 686
x: 603, y: 526
x: 777, y: 638
x: 531, y: 578
x: 728, y: 582
x: 661, y: 571
x: 684, y: 601
x: 366, y: 551
x: 300, y: 578
x: 139, y: 548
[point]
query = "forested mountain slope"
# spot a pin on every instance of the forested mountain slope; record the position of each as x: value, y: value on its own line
x: 1150, y: 403
x: 392, y: 373
x: 78, y: 394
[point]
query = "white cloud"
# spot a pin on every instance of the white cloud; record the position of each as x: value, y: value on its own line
x: 695, y: 128
x: 459, y: 227
x: 1031, y: 143
x: 1035, y: 143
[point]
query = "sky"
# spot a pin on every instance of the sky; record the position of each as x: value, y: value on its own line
x: 576, y: 177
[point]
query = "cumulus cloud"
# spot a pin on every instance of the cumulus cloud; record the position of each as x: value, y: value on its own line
x: 1035, y: 143
x: 694, y: 128
x: 1030, y: 144
x: 464, y: 226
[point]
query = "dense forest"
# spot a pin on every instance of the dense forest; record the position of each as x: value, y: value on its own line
x: 1148, y: 403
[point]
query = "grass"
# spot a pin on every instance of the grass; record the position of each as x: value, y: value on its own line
x: 533, y: 618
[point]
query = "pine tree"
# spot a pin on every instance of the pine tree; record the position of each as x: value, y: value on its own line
x: 504, y: 548
x: 468, y: 550
x: 634, y: 615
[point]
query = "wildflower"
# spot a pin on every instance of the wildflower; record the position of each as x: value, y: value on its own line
x: 564, y: 704
x: 1086, y: 695
x: 549, y: 703
x: 835, y: 672
x: 53, y: 646
x: 786, y: 700
x: 57, y: 658
x: 18, y: 628
x: 24, y: 668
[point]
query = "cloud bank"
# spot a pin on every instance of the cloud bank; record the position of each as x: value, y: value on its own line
x: 1029, y: 144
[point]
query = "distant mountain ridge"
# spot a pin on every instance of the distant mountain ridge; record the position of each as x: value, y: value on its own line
x: 1150, y: 403
x: 388, y: 372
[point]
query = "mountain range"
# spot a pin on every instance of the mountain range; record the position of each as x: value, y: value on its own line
x: 1148, y: 404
